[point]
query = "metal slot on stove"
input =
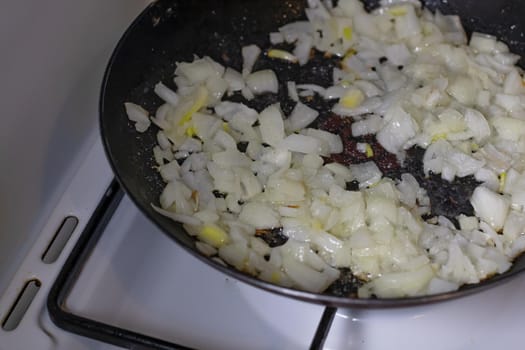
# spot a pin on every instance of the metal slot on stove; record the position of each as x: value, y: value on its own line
x: 60, y: 239
x: 21, y: 304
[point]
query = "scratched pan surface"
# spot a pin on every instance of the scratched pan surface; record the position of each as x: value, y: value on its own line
x: 170, y: 31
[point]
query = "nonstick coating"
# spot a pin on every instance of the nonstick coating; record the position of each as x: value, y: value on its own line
x: 171, y: 31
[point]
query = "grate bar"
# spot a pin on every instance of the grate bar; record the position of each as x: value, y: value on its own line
x: 323, y: 329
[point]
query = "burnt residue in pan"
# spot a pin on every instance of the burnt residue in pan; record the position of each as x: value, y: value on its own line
x: 274, y: 237
x: 448, y: 199
x: 346, y: 285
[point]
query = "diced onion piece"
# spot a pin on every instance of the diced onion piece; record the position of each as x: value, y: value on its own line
x: 271, y: 125
x: 259, y: 215
x: 513, y: 84
x: 477, y: 123
x: 199, y: 70
x: 230, y: 111
x: 399, y: 284
x: 490, y: 207
x: 182, y: 218
x: 165, y: 93
x: 407, y: 25
x: 138, y: 115
x: 483, y: 42
x: 367, y: 174
x: 292, y: 90
x: 334, y: 142
x: 397, y: 54
x: 198, y: 100
x: 301, y: 117
x: 282, y: 55
x: 464, y: 90
x: 205, y: 248
x: 312, y: 87
x: 306, y: 277
x: 262, y: 81
x: 216, y: 87
x: 303, y: 144
x: 509, y: 128
x: 369, y: 125
x: 213, y: 235
x: 333, y: 92
x: 302, y: 48
x: 235, y: 79
x: 397, y: 131
x: 352, y: 98
x: 250, y: 54
x: 170, y: 171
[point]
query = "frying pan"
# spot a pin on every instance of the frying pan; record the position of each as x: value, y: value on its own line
x: 169, y: 31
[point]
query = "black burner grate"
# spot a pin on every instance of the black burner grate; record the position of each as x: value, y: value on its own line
x: 72, y: 268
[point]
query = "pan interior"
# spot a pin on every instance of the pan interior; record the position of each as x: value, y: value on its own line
x: 171, y: 31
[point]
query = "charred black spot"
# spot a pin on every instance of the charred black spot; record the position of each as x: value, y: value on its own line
x: 242, y: 146
x: 446, y: 198
x: 274, y: 237
x: 219, y: 194
x: 346, y: 285
x: 352, y: 185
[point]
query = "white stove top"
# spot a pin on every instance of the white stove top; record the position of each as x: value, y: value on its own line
x: 139, y: 279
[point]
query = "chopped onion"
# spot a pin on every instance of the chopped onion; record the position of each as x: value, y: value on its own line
x: 281, y: 54
x: 234, y: 79
x: 303, y: 144
x: 397, y: 54
x: 302, y: 48
x: 335, y: 145
x: 166, y: 94
x: 199, y: 70
x: 262, y: 81
x: 312, y: 87
x: 271, y: 125
x: 366, y: 126
x: 138, y: 115
x: 301, y: 117
x: 250, y: 54
x: 367, y: 174
x: 292, y: 90
x: 397, y: 131
x: 477, y: 123
x: 490, y: 207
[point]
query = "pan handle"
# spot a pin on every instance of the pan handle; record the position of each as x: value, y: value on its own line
x: 323, y: 328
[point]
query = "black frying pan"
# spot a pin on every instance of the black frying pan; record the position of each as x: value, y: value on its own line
x: 170, y: 31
